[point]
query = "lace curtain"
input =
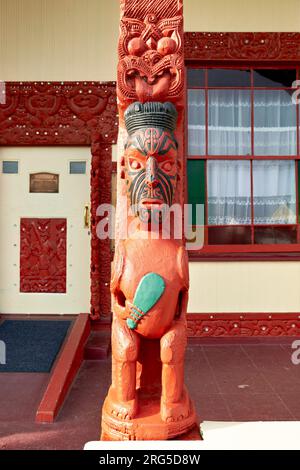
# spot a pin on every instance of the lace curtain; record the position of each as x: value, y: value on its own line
x: 274, y: 192
x: 196, y: 122
x: 229, y: 192
x: 229, y: 133
x: 274, y: 123
x: 229, y: 122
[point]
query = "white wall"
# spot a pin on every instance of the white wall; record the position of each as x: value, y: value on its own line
x: 219, y: 287
x: 77, y: 39
x: 242, y: 15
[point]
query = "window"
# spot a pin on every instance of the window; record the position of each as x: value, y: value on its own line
x: 77, y: 168
x: 243, y: 158
x: 10, y: 167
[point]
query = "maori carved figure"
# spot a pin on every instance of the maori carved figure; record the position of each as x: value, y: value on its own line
x: 150, y: 281
x: 150, y: 160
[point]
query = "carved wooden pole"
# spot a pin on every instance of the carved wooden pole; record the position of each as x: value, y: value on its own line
x: 101, y: 168
x: 147, y: 398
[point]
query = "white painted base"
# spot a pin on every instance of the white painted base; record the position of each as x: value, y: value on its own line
x: 273, y: 435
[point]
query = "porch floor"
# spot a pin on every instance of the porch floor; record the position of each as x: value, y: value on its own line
x: 245, y: 381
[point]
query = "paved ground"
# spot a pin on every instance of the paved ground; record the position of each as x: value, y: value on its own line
x: 228, y: 382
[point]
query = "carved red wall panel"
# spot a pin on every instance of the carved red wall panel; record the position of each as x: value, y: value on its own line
x: 101, y: 171
x: 259, y: 46
x: 43, y: 255
x: 204, y: 325
x: 58, y: 113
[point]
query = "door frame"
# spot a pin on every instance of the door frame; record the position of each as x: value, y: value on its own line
x: 73, y: 114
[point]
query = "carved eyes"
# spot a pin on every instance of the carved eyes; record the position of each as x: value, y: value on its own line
x: 135, y: 164
x: 137, y: 46
x: 166, y: 46
x: 167, y: 166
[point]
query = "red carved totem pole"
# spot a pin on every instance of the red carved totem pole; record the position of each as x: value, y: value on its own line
x: 148, y: 398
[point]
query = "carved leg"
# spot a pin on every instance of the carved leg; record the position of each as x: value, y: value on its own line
x: 125, y: 345
x: 175, y: 402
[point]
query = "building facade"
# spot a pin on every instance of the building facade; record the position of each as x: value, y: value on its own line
x: 242, y: 149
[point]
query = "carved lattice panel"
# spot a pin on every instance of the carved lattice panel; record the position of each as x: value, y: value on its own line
x: 43, y: 255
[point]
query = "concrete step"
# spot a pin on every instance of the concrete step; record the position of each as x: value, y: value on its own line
x: 97, y: 346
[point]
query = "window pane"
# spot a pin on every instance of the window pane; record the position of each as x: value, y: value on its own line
x: 274, y: 78
x: 275, y: 235
x: 10, y: 167
x: 229, y: 235
x: 196, y: 122
x: 196, y: 186
x: 274, y: 192
x: 274, y: 123
x: 196, y: 77
x: 229, y: 122
x: 77, y: 168
x: 229, y: 78
x: 229, y: 192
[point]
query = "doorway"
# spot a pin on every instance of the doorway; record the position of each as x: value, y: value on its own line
x: 45, y: 232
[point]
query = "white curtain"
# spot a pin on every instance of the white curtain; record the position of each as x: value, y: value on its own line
x: 196, y: 122
x: 229, y: 131
x: 274, y: 192
x: 228, y: 192
x: 229, y: 122
x: 274, y: 123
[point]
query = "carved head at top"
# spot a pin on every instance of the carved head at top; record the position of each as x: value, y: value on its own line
x: 149, y: 164
x: 151, y: 58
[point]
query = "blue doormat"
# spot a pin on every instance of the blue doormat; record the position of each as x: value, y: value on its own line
x: 30, y: 345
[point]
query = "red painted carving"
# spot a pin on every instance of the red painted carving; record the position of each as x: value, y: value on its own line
x: 70, y: 113
x: 148, y: 398
x: 151, y: 63
x: 43, y: 255
x: 242, y: 46
x: 101, y: 170
x: 240, y: 325
x: 58, y: 113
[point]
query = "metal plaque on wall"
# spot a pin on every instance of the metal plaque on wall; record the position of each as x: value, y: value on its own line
x: 44, y: 183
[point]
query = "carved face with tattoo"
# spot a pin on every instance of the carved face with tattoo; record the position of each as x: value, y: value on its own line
x: 150, y: 158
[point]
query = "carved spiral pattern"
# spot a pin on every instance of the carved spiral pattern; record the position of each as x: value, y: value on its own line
x: 242, y: 46
x: 58, y: 113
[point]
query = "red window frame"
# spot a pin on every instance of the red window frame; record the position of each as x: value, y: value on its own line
x: 246, y: 251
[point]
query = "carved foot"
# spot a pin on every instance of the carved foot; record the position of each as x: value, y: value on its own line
x: 124, y: 410
x: 171, y: 412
